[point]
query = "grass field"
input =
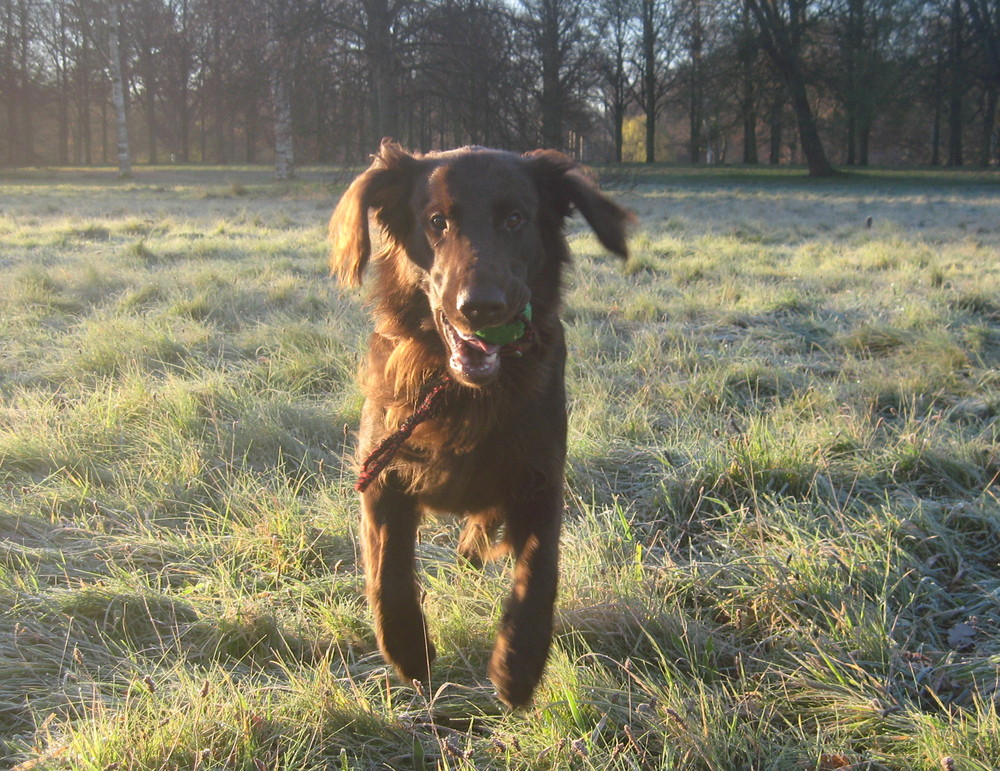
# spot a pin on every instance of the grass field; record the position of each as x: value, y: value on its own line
x: 782, y: 541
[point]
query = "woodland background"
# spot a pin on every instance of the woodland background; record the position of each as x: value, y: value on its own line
x: 821, y: 82
x: 781, y: 541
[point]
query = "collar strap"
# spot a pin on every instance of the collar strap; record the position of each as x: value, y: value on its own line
x: 382, y: 455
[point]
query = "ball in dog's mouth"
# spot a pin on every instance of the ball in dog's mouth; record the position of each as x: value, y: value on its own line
x: 470, y: 356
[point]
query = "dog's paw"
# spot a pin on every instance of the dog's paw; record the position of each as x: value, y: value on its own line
x: 516, y: 673
x: 412, y: 662
x: 404, y: 642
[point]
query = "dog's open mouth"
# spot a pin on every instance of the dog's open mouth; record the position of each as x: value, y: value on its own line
x: 473, y: 358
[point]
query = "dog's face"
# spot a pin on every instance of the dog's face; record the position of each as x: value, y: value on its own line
x: 478, y: 230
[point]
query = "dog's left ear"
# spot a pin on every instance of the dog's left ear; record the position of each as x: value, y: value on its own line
x: 564, y: 185
x: 384, y: 188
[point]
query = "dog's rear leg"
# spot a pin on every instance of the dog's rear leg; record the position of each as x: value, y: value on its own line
x: 526, y: 627
x: 389, y: 521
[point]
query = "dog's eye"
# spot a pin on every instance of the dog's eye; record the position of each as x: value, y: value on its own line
x: 439, y: 223
x: 513, y: 221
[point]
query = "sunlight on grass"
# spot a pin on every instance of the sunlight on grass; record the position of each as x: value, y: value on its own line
x: 781, y: 541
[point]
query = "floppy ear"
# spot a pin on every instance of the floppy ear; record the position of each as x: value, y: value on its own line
x: 384, y: 187
x: 564, y: 185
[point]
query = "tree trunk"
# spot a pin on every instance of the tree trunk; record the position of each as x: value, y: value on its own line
x: 216, y: 90
x: 147, y: 67
x: 118, y: 95
x: 62, y: 62
x: 251, y: 126
x: 617, y: 80
x: 552, y: 97
x: 774, y: 146
x: 750, y: 139
x: 25, y: 66
x: 104, y: 133
x: 989, y: 125
x: 781, y: 39
x: 864, y: 141
x: 851, y: 140
x: 695, y: 103
x: 619, y: 129
x: 284, y: 160
x: 649, y: 76
x: 747, y: 54
x: 184, y: 65
x: 12, y: 159
x: 984, y: 18
x: 380, y: 56
x: 85, y: 93
x: 936, y: 123
x: 184, y: 124
x: 184, y: 105
x: 812, y: 146
x: 852, y: 46
x: 955, y: 87
x: 321, y: 132
x: 63, y: 118
x: 694, y: 122
x: 150, y: 100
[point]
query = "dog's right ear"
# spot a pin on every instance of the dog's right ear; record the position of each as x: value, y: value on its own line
x: 385, y: 188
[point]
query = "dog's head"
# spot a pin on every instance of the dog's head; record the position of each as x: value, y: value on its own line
x: 481, y: 233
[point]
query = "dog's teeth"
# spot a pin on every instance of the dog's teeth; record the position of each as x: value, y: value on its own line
x: 472, y: 355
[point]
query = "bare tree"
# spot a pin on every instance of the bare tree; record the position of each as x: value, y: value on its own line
x: 16, y: 78
x: 749, y: 76
x: 984, y: 17
x: 118, y: 90
x: 564, y: 49
x: 615, y: 20
x: 694, y: 34
x: 863, y: 75
x: 288, y: 23
x: 382, y: 56
x: 656, y: 39
x: 146, y: 34
x: 220, y: 80
x: 783, y: 26
x: 179, y: 67
x: 462, y: 74
x: 278, y: 56
x: 86, y: 78
x: 284, y: 143
x: 233, y: 77
x: 54, y: 31
x: 956, y: 82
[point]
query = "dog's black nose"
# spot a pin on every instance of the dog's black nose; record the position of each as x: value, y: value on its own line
x: 485, y: 307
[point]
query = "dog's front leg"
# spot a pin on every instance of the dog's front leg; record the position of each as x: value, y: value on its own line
x: 526, y: 627
x: 389, y: 519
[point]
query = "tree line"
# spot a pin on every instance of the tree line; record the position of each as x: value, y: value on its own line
x: 820, y: 82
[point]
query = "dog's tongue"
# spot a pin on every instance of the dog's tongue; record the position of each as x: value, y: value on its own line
x: 475, y: 358
x: 482, y: 345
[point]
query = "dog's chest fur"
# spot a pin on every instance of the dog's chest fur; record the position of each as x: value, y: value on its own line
x: 465, y: 457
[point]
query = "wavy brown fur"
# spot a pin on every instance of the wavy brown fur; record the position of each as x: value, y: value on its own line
x: 471, y: 236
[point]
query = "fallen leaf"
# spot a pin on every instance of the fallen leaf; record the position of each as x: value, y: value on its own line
x: 962, y: 636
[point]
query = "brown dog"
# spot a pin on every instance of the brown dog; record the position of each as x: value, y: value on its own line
x: 465, y: 408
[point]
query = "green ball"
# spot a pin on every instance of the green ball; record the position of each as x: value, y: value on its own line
x: 503, y: 334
